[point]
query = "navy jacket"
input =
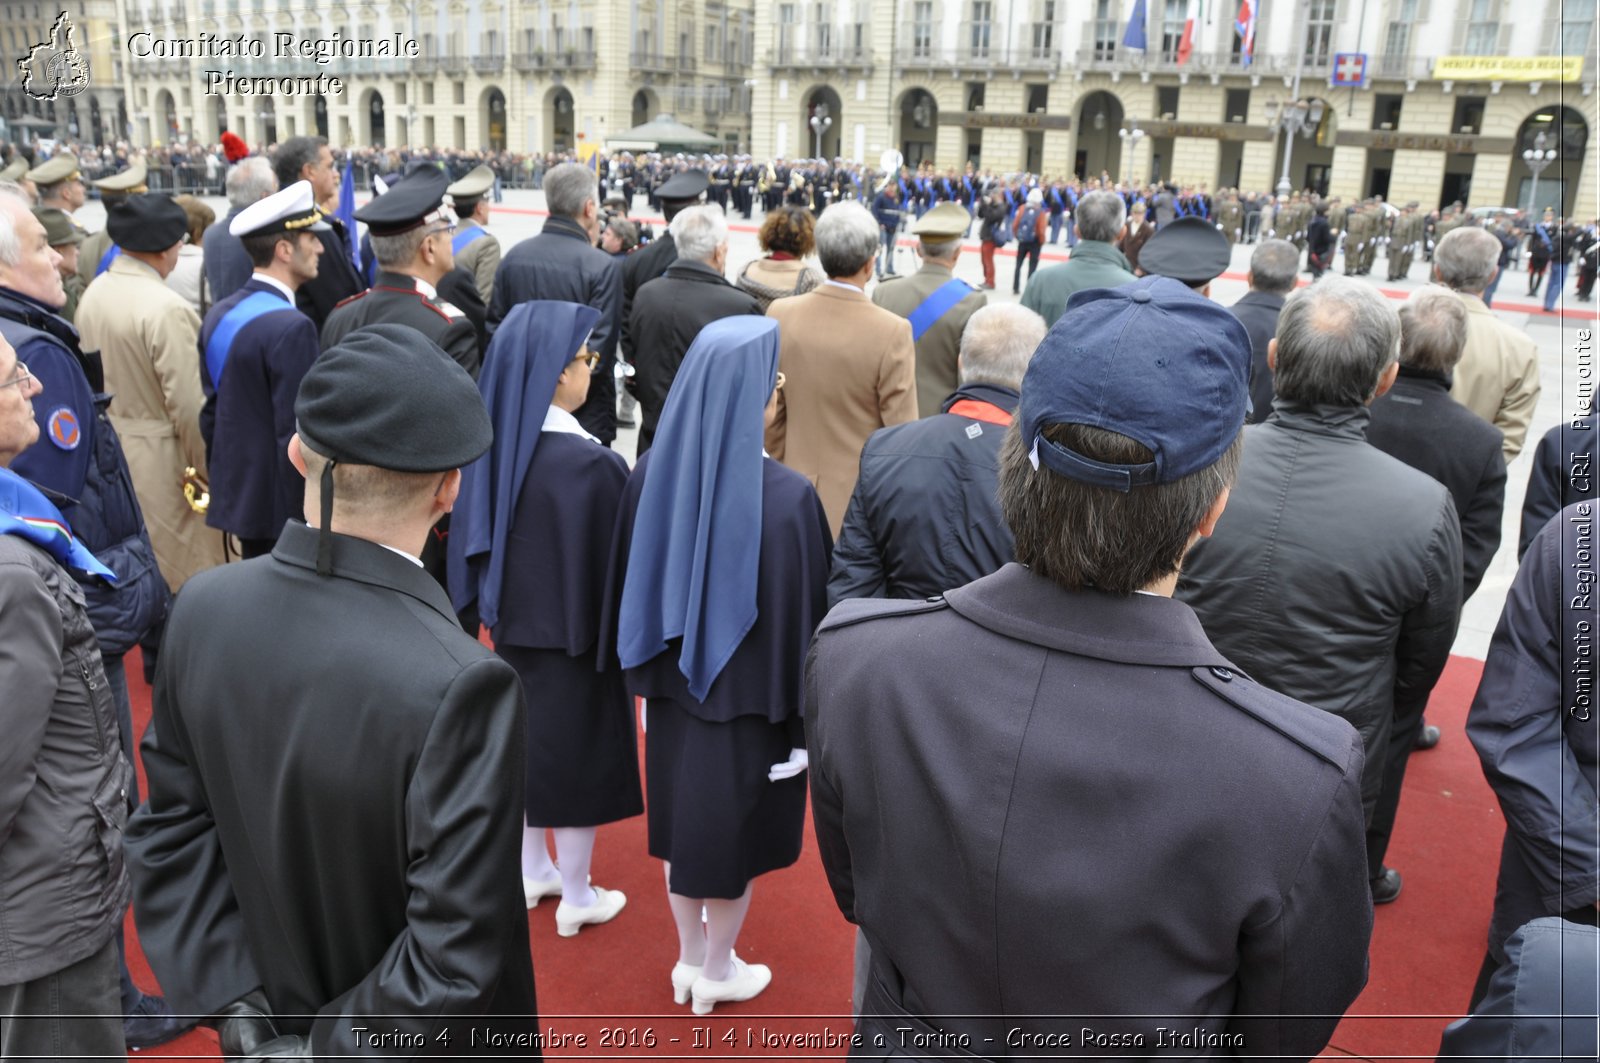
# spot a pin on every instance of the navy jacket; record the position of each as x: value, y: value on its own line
x: 561, y: 263
x: 925, y: 513
x: 79, y: 456
x: 1419, y: 423
x: 1258, y: 313
x: 248, y: 419
x: 336, y: 279
x: 1540, y: 1005
x: 1011, y: 787
x: 1563, y: 473
x: 227, y: 265
x: 1537, y: 730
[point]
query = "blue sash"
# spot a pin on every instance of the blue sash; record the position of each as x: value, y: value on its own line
x: 25, y: 512
x: 465, y: 237
x: 931, y: 309
x: 244, y: 311
x: 106, y: 259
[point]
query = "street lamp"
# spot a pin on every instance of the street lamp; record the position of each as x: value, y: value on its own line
x: 1130, y: 135
x: 1538, y: 159
x: 820, y: 123
x: 1294, y: 118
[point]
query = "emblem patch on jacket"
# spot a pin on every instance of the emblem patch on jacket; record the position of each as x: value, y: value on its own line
x: 64, y: 429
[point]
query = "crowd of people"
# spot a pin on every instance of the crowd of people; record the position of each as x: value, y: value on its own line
x: 963, y: 576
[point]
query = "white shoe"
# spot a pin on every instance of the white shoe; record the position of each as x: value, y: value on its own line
x: 534, y: 890
x: 684, y: 977
x: 607, y: 903
x: 747, y: 980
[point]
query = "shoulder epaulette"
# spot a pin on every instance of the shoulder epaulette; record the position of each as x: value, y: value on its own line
x: 860, y: 610
x: 352, y: 298
x: 1319, y: 733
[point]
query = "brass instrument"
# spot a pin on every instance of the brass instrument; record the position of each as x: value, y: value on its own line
x: 196, y: 491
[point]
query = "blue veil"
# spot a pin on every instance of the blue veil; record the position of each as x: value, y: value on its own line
x: 696, y: 547
x: 534, y: 343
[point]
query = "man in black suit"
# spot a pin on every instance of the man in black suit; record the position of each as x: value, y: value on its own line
x: 330, y: 850
x: 563, y: 263
x: 1419, y: 423
x: 671, y: 310
x: 309, y: 159
x: 1274, y: 268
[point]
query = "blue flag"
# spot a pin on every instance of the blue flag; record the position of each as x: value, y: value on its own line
x: 1135, y: 36
x: 347, y: 211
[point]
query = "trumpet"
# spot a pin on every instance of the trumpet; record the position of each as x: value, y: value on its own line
x: 196, y: 491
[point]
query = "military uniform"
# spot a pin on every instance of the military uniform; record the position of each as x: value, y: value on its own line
x: 1232, y: 219
x: 62, y: 231
x: 1404, y: 243
x: 476, y: 249
x: 1355, y: 242
x: 938, y: 306
x: 399, y: 299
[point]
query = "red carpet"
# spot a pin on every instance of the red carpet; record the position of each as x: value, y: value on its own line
x: 609, y: 985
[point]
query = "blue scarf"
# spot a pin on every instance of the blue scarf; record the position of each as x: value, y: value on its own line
x: 696, y: 549
x: 26, y: 512
x: 532, y: 346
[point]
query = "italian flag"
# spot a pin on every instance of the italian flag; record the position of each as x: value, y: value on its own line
x: 1186, y: 44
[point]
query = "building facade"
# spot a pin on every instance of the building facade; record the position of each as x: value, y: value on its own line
x: 533, y: 75
x: 96, y: 114
x: 1049, y: 87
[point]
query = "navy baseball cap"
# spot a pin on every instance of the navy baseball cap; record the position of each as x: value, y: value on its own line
x: 1154, y: 361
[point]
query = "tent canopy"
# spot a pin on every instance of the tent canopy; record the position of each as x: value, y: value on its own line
x: 662, y: 133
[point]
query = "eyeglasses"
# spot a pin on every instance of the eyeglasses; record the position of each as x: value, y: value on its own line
x: 20, y: 378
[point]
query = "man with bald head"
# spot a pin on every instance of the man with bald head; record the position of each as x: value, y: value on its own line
x: 1498, y: 375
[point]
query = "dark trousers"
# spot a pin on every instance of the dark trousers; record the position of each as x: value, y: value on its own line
x: 70, y: 1013
x: 1586, y: 276
x: 117, y: 679
x: 1030, y: 254
x: 1402, y: 740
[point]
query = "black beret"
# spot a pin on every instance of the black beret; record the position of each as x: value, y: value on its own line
x: 388, y: 396
x: 687, y: 184
x: 148, y: 222
x: 415, y: 199
x: 1191, y: 250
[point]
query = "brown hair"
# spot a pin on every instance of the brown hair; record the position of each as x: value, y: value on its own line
x: 789, y: 229
x: 1079, y: 535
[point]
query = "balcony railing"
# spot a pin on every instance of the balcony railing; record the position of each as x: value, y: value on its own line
x: 832, y: 56
x: 650, y: 63
x: 686, y: 62
x: 453, y: 64
x: 489, y: 63
x: 996, y: 55
x: 565, y: 59
x: 1272, y: 64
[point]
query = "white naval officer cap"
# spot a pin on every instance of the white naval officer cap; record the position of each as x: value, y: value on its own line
x: 288, y: 210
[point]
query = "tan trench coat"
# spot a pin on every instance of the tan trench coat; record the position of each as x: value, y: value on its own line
x: 148, y: 339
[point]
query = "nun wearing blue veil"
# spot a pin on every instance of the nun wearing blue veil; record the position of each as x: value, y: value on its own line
x: 719, y: 577
x: 530, y: 545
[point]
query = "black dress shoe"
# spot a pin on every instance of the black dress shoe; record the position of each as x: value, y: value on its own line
x: 151, y: 1023
x: 1386, y: 887
x: 1428, y: 737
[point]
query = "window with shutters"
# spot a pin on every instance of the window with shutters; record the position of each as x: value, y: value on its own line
x: 1397, y: 41
x: 822, y: 30
x: 1319, y: 32
x: 1174, y: 13
x: 1575, y: 32
x: 1043, y: 31
x: 786, y: 33
x: 980, y: 32
x: 922, y: 29
x: 1105, y: 29
x: 1483, y: 28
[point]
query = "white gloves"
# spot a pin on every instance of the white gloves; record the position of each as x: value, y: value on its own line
x: 798, y: 762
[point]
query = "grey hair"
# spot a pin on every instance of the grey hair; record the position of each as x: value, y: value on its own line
x: 251, y: 181
x: 998, y: 343
x: 1335, y: 341
x: 1274, y: 266
x: 294, y: 155
x: 1466, y: 258
x: 399, y: 249
x: 1433, y: 329
x: 699, y: 231
x: 568, y: 188
x: 1100, y: 216
x: 939, y: 248
x: 10, y: 245
x: 847, y: 239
